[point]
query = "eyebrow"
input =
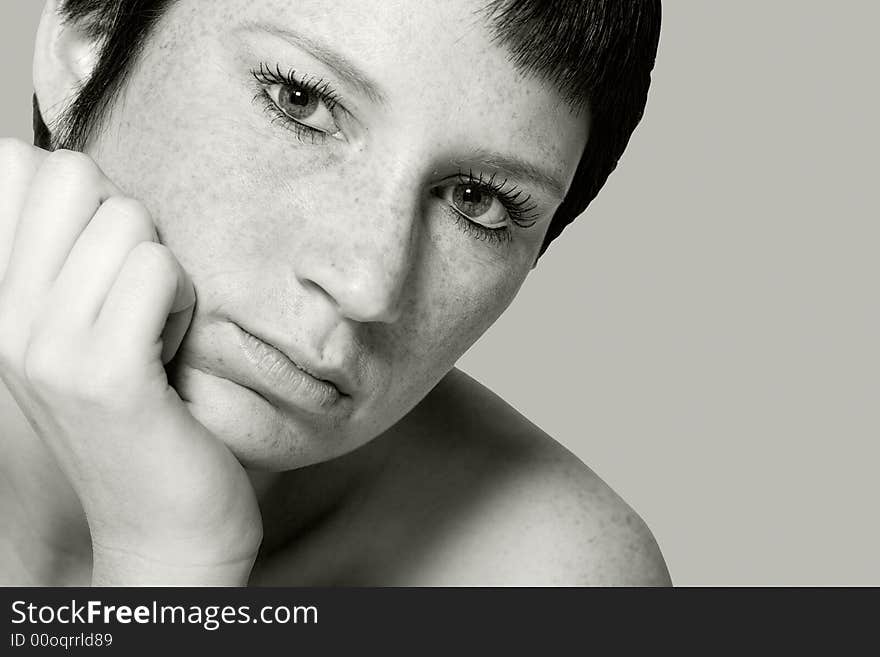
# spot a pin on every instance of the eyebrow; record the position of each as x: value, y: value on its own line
x: 517, y: 167
x: 512, y: 165
x: 343, y: 66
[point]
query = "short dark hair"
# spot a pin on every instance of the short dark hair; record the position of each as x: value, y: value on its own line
x: 599, y: 54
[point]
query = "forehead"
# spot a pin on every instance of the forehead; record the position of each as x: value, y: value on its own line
x: 407, y: 34
x: 435, y: 65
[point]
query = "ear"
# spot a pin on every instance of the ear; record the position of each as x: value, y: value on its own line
x: 65, y: 55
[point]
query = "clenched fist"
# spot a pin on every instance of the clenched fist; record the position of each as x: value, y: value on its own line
x: 91, y: 308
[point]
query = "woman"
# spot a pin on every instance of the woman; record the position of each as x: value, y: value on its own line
x: 228, y: 327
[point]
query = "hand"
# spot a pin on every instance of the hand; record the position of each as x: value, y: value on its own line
x: 91, y: 308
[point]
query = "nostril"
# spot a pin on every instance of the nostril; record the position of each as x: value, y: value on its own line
x: 312, y: 286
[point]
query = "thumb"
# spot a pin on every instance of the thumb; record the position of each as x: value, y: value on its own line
x: 179, y: 318
x: 174, y: 332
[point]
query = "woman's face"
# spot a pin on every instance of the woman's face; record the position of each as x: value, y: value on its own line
x: 363, y: 184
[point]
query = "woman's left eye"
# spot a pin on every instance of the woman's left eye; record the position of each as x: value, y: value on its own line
x: 475, y: 204
x: 304, y: 106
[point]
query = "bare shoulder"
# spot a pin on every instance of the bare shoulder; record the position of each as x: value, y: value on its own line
x: 536, y: 515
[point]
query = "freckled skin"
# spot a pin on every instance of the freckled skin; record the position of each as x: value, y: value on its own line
x: 339, y: 246
x: 346, y: 250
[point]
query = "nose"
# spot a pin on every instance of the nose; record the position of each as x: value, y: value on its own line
x: 362, y: 266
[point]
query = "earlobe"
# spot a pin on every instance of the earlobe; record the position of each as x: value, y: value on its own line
x: 65, y: 55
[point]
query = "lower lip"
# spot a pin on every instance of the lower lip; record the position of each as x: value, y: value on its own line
x: 279, y: 379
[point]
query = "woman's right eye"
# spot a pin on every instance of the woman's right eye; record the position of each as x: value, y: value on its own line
x: 304, y: 106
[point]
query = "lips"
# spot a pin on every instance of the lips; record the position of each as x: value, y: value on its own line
x: 288, y: 381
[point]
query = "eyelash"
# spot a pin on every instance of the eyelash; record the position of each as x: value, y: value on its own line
x: 266, y: 77
x: 519, y: 207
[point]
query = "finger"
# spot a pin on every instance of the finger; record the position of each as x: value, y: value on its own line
x: 19, y: 163
x: 174, y: 332
x: 65, y: 193
x: 150, y: 286
x: 94, y: 263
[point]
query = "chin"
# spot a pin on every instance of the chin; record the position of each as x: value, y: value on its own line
x: 260, y: 435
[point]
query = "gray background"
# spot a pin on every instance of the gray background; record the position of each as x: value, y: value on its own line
x: 705, y: 336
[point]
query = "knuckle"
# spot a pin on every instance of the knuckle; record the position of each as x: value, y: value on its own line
x: 14, y: 153
x: 11, y: 332
x: 132, y: 214
x: 7, y: 339
x: 73, y: 166
x: 156, y: 258
x: 41, y: 364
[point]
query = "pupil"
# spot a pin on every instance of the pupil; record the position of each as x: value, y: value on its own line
x: 297, y: 103
x: 471, y: 195
x: 473, y: 201
x: 299, y: 97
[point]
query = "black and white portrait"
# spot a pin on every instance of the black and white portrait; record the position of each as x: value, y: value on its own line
x: 466, y: 293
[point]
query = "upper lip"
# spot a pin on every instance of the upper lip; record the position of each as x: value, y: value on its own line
x: 336, y: 376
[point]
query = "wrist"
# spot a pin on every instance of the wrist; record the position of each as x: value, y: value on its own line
x: 113, y: 566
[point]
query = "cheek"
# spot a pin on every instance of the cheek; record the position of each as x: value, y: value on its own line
x: 449, y: 305
x: 218, y: 176
x: 454, y: 297
x: 213, y: 194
